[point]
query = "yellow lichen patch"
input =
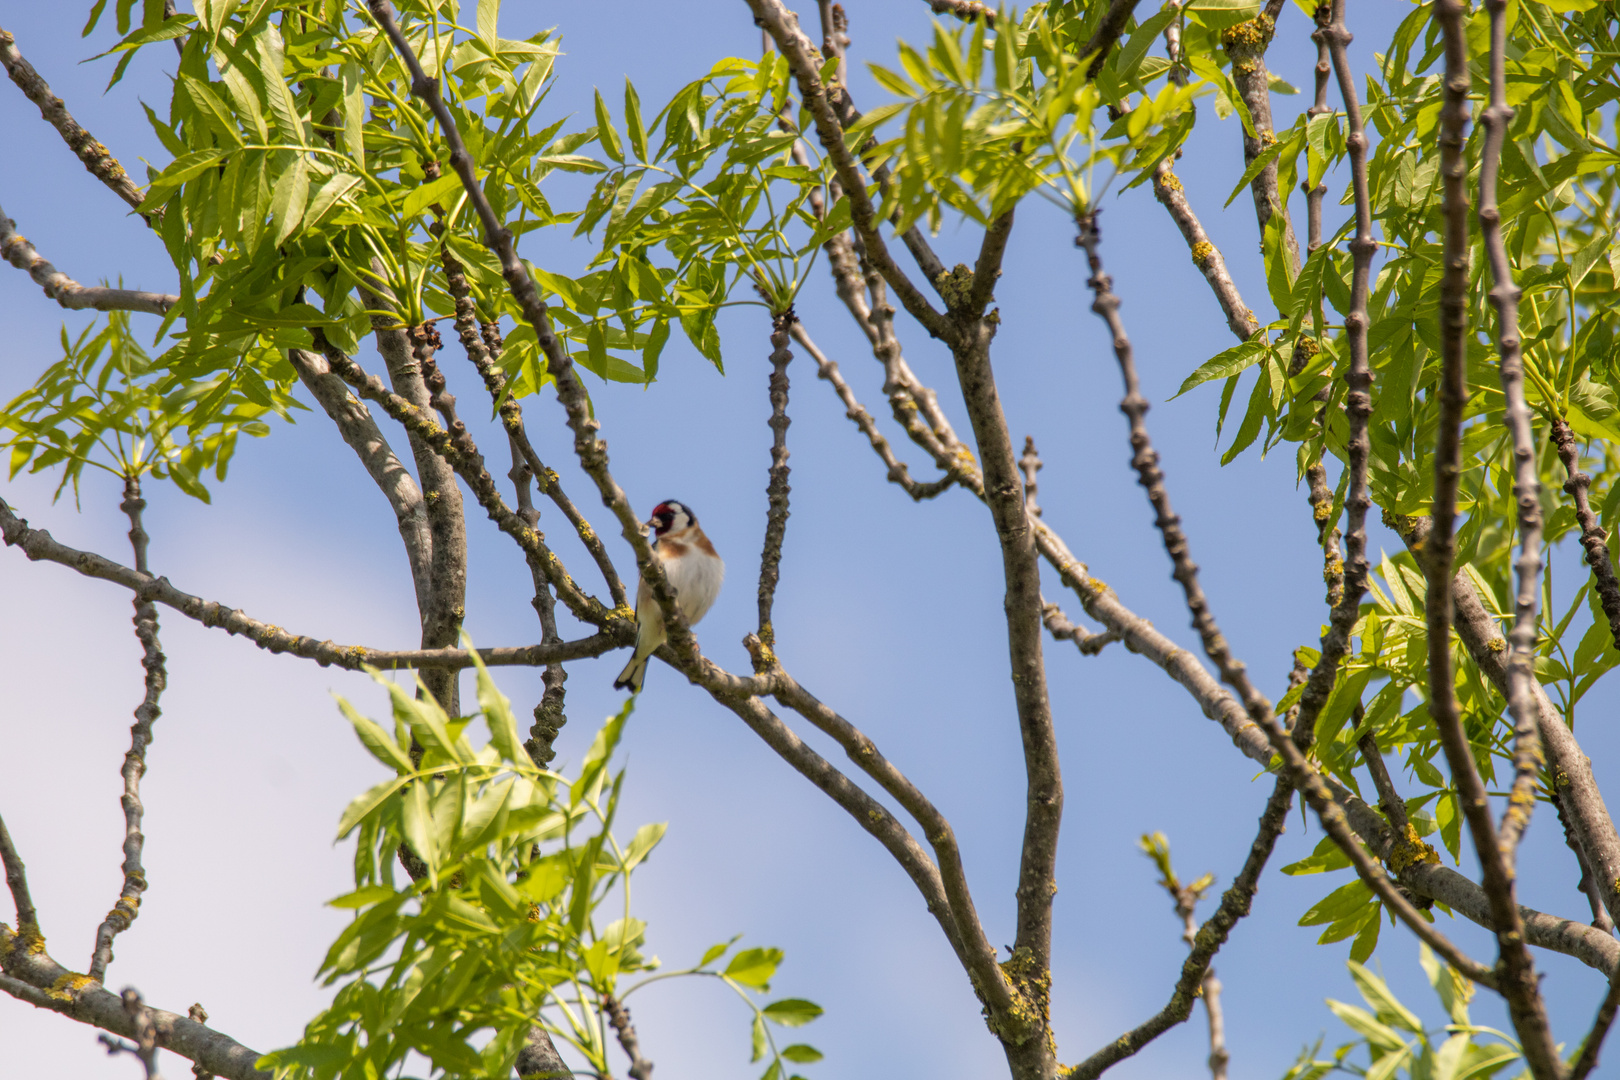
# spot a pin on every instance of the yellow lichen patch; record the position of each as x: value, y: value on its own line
x: 1322, y: 511
x: 1497, y: 645
x: 1201, y: 252
x: 1333, y: 569
x: 1253, y: 34
x: 1170, y: 181
x: 1410, y: 851
x: 68, y: 984
x: 1032, y: 991
x: 1268, y: 138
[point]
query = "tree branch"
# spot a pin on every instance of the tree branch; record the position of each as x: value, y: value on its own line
x: 1302, y: 774
x: 966, y: 10
x: 38, y: 545
x: 32, y: 976
x: 358, y: 429
x: 618, y: 1014
x: 17, y: 882
x: 19, y: 252
x: 897, y: 471
x: 1593, y: 1043
x: 1246, y: 45
x: 783, y: 27
x: 1527, y: 755
x: 1594, y: 538
x: 96, y: 157
x: 483, y: 347
x: 1235, y: 904
x: 1574, y: 786
x: 128, y: 905
x: 776, y: 514
x: 405, y: 355
x: 1205, y: 255
x: 1107, y: 32
x: 1518, y: 981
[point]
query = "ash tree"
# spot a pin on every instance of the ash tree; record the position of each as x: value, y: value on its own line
x: 347, y: 197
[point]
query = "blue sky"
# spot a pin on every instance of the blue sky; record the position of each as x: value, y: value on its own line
x: 889, y: 611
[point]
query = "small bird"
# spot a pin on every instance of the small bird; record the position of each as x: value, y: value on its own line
x: 695, y: 572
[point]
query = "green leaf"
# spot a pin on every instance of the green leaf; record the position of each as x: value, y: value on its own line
x: 1225, y: 364
x: 641, y: 845
x: 360, y: 898
x: 792, y: 1012
x: 363, y: 805
x: 1366, y: 1025
x: 376, y: 740
x: 354, y: 112
x: 801, y: 1054
x: 1384, y: 1003
x: 497, y: 709
x: 179, y: 171
x: 434, y: 191
x: 605, y: 134
x: 714, y: 952
x: 288, y: 199
x: 632, y: 121
x: 596, y: 758
x: 754, y: 967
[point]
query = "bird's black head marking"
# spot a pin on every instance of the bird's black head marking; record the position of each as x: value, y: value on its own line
x: 671, y: 516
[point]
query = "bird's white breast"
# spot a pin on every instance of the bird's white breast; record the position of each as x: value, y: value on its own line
x: 697, y: 577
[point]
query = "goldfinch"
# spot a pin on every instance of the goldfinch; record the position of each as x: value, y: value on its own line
x: 695, y: 572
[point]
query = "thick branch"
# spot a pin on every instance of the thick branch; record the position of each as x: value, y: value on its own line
x: 96, y: 157
x: 358, y: 429
x: 407, y: 357
x: 32, y: 976
x: 19, y: 252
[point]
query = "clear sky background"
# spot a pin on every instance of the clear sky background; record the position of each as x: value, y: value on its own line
x: 889, y: 611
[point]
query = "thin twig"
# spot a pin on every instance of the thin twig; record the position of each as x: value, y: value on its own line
x: 897, y: 471
x: 966, y: 10
x: 128, y: 905
x: 777, y: 490
x: 1205, y: 255
x: 1594, y: 537
x: 1592, y: 1045
x: 17, y: 250
x: 1062, y: 629
x: 1354, y: 570
x: 1235, y: 904
x: 96, y: 157
x: 483, y: 346
x: 146, y: 1034
x: 1302, y: 773
x: 1518, y: 981
x: 1527, y: 754
x: 38, y: 544
x: 618, y: 1014
x: 17, y: 882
